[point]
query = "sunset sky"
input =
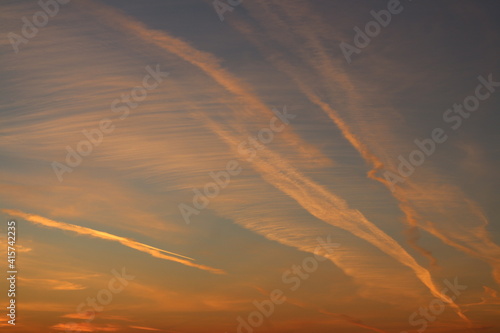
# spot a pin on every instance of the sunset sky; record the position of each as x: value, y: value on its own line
x: 268, y: 166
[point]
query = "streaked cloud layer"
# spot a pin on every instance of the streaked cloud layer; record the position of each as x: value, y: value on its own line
x: 315, y: 175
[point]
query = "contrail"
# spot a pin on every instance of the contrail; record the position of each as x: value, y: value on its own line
x: 311, y: 196
x: 279, y: 61
x: 153, y: 251
x: 401, y: 255
x: 206, y: 62
x: 321, y: 61
x: 331, y: 209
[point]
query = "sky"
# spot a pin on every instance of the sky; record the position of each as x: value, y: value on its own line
x: 250, y: 166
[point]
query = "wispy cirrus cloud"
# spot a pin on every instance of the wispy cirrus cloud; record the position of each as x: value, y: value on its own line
x: 288, y: 196
x: 85, y: 327
x: 51, y: 284
x: 280, y: 174
x: 371, y: 139
x: 207, y: 63
x: 145, y: 328
x: 153, y: 251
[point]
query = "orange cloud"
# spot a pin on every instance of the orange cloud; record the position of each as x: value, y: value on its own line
x: 51, y: 284
x: 209, y: 64
x: 321, y: 60
x: 84, y: 327
x: 144, y: 328
x: 155, y: 252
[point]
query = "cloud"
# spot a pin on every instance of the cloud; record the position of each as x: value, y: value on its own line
x: 315, y: 55
x: 84, y: 327
x: 308, y: 194
x: 155, y: 252
x: 170, y: 151
x: 51, y: 284
x: 207, y: 63
x: 340, y: 316
x: 145, y: 328
x: 421, y: 199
